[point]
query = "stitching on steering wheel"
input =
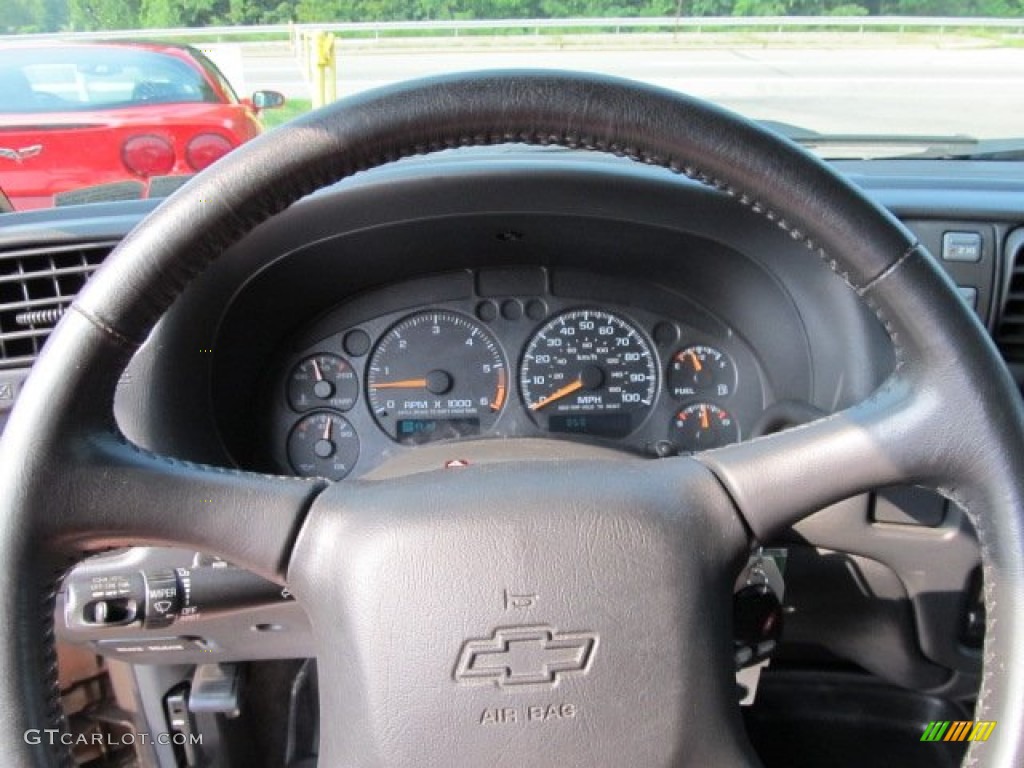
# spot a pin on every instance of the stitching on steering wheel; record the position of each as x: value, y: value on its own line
x: 106, y: 328
x: 988, y: 581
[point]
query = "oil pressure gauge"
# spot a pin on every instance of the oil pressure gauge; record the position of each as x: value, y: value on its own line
x: 323, y: 444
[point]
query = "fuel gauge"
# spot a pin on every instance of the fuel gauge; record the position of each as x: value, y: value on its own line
x: 701, y: 371
x: 702, y: 426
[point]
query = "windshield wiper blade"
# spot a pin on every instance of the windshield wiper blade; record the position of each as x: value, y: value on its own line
x: 890, y: 145
x: 987, y: 149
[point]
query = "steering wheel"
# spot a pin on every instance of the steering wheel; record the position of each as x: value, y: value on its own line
x: 624, y: 656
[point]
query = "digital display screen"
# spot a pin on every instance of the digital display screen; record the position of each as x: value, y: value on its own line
x: 597, y: 424
x: 418, y: 431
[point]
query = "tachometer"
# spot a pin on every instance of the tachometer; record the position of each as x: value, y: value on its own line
x: 590, y: 372
x: 434, y: 376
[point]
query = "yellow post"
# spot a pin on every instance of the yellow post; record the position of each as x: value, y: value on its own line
x: 324, y: 81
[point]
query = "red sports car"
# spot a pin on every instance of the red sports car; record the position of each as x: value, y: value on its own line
x: 113, y: 121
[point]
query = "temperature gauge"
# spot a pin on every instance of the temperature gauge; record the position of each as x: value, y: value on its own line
x: 323, y: 381
x: 323, y: 444
x: 702, y: 426
x: 700, y: 371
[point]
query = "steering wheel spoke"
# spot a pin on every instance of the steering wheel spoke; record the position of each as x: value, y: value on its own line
x: 778, y: 479
x: 115, y: 494
x: 100, y: 491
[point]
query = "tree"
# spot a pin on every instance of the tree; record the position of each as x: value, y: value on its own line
x: 709, y: 7
x: 18, y: 17
x: 184, y: 13
x: 103, y: 14
x: 759, y: 8
x: 318, y: 10
x: 159, y: 14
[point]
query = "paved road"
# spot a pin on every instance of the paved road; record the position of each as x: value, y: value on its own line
x: 924, y: 90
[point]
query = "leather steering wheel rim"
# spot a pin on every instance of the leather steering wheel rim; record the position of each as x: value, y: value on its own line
x: 72, y: 485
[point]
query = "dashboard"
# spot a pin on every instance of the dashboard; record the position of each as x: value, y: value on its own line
x: 514, y: 352
x: 485, y: 297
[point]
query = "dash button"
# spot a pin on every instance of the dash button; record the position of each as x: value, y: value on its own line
x: 961, y: 246
x: 968, y: 294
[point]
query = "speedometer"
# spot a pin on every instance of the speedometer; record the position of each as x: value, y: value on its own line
x: 590, y: 372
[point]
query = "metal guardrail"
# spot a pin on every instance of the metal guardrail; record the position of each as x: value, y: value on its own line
x: 536, y: 26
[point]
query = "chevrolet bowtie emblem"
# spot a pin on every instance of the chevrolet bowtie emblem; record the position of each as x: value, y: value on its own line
x: 535, y: 656
x: 20, y: 155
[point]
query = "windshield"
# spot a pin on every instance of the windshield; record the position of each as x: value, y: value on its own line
x: 86, y: 78
x: 115, y: 95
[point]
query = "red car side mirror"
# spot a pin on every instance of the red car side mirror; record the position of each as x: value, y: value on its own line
x: 267, y: 100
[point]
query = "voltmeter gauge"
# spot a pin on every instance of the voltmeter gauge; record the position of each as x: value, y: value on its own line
x: 323, y: 381
x: 323, y: 444
x: 702, y: 426
x: 700, y: 371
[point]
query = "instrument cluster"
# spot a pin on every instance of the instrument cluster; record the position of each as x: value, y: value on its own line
x: 359, y: 387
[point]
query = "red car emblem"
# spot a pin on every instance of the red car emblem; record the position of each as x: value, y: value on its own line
x: 20, y: 155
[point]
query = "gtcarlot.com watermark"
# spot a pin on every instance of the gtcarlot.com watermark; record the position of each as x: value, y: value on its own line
x: 55, y: 736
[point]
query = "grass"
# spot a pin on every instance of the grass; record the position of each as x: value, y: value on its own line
x: 292, y: 108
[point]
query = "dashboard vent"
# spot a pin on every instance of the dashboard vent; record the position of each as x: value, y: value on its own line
x: 1010, y: 331
x: 36, y: 286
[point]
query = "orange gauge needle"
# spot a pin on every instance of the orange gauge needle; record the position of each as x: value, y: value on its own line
x: 327, y: 430
x: 696, y: 362
x: 499, y: 400
x: 705, y: 422
x: 403, y: 384
x: 558, y: 394
x: 317, y: 373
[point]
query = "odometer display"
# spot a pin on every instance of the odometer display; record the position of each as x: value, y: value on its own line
x: 596, y: 424
x: 589, y: 372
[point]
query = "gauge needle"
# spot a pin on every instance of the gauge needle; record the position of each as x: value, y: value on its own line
x: 499, y: 400
x: 403, y: 384
x: 705, y: 422
x: 558, y: 394
x: 327, y: 429
x: 696, y: 362
x: 317, y: 373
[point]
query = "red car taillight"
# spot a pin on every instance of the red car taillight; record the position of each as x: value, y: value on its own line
x: 205, y: 149
x: 148, y: 155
